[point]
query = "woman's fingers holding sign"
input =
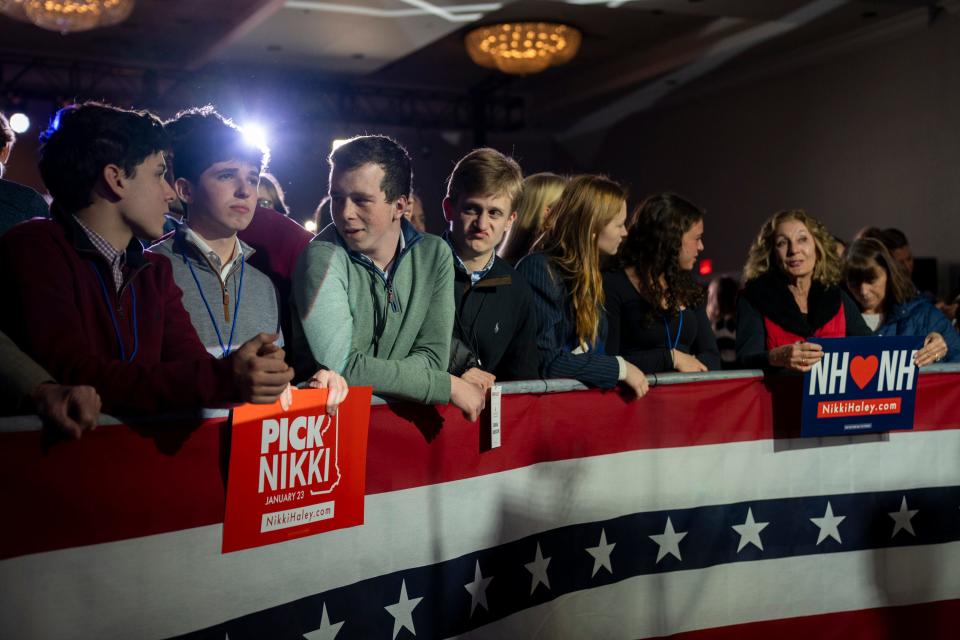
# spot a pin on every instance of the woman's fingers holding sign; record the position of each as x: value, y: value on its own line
x: 799, y: 356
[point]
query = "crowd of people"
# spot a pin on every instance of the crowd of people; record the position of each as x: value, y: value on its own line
x: 167, y: 276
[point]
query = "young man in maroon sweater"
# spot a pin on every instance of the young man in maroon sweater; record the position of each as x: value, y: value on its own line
x: 86, y: 302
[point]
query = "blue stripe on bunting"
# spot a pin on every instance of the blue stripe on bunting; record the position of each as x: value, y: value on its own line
x: 445, y: 608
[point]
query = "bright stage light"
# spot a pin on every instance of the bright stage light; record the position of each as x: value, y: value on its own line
x: 255, y: 135
x: 339, y: 142
x: 310, y: 226
x: 19, y: 122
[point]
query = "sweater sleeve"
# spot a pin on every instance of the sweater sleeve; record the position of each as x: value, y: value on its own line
x: 186, y: 377
x: 550, y: 311
x: 853, y: 318
x: 19, y: 376
x: 751, y: 337
x: 705, y: 343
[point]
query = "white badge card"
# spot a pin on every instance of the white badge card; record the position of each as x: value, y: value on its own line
x: 496, y: 391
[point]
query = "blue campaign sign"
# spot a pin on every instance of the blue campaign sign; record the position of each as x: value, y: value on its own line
x: 861, y: 385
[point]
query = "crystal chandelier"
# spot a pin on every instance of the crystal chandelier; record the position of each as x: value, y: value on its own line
x: 68, y: 16
x: 522, y: 48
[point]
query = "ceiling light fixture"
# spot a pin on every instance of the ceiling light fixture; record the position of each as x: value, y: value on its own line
x: 68, y: 16
x: 522, y: 48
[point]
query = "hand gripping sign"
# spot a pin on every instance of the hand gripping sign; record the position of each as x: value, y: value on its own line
x: 298, y: 472
x: 861, y: 385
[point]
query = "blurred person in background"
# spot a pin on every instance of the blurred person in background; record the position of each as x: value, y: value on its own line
x: 891, y: 305
x: 17, y: 202
x: 564, y: 273
x: 792, y: 293
x: 539, y: 193
x: 655, y: 308
x: 722, y: 313
x: 270, y: 194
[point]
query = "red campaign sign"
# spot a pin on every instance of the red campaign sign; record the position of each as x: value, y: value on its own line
x: 298, y: 472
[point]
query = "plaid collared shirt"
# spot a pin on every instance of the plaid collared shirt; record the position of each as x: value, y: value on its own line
x: 114, y: 257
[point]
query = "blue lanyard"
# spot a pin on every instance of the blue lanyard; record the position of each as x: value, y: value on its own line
x: 113, y: 317
x: 224, y: 350
x: 666, y: 327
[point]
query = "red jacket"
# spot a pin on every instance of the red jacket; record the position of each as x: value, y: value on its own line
x: 57, y: 311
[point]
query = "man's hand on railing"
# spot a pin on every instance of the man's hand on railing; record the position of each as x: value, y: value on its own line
x: 468, y: 397
x: 68, y: 410
x: 480, y: 378
x: 336, y: 385
x: 259, y: 369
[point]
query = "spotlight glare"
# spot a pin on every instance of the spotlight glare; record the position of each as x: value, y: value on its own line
x: 19, y: 122
x: 255, y: 135
x: 310, y: 226
x: 338, y: 142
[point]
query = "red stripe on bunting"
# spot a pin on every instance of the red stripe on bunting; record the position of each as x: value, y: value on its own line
x: 929, y: 621
x: 122, y: 481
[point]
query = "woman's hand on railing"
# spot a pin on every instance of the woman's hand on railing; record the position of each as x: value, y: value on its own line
x: 686, y: 363
x: 934, y: 350
x: 636, y: 380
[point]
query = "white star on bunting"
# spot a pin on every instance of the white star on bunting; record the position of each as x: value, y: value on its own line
x: 668, y: 541
x: 402, y: 611
x: 478, y: 589
x: 538, y: 569
x: 828, y: 525
x: 601, y: 554
x: 326, y: 631
x: 902, y: 518
x: 750, y: 532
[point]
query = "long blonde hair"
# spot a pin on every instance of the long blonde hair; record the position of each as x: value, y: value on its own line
x: 587, y: 205
x: 539, y: 191
x: 760, y: 259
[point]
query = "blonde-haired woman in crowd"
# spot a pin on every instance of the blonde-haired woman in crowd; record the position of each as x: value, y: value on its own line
x: 564, y: 273
x: 539, y: 194
x: 792, y: 293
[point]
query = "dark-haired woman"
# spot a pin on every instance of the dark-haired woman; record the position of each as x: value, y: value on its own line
x: 890, y: 304
x: 655, y: 309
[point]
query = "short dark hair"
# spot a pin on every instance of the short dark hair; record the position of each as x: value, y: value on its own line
x: 200, y: 137
x: 383, y: 151
x: 82, y: 139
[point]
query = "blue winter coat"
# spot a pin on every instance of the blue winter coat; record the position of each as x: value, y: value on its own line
x: 918, y: 317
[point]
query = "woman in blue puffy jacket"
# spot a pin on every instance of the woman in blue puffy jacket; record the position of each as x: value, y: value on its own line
x: 890, y: 304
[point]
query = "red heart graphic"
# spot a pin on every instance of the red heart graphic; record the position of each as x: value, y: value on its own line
x: 863, y: 369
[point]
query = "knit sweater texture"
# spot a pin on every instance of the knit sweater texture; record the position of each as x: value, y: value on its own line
x: 258, y: 309
x: 392, y: 333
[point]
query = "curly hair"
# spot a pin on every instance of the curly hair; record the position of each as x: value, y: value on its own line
x: 865, y: 255
x: 761, y: 255
x: 587, y: 205
x: 652, y: 249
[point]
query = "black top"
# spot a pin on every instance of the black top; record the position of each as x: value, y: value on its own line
x: 18, y: 203
x: 557, y: 330
x: 767, y: 296
x: 494, y: 319
x: 645, y: 344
